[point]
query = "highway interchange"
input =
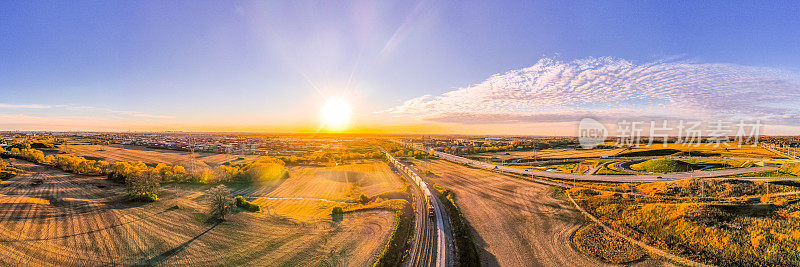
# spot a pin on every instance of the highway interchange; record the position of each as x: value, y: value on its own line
x: 422, y: 253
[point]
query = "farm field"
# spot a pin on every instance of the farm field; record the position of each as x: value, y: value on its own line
x: 515, y: 222
x: 69, y: 219
x: 727, y: 150
x: 551, y: 154
x: 114, y: 153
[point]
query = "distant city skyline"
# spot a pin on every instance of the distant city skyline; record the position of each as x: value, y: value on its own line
x: 469, y: 67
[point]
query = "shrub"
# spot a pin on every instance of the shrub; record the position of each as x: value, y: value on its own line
x: 265, y: 169
x: 142, y: 197
x: 583, y: 192
x: 337, y: 211
x: 363, y: 198
x: 247, y: 205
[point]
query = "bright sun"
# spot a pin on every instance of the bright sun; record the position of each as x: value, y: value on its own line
x: 336, y: 113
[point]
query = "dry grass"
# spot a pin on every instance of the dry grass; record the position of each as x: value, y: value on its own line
x: 593, y: 240
x: 724, y: 233
x: 115, y: 153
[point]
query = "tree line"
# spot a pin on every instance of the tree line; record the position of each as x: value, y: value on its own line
x: 143, y: 181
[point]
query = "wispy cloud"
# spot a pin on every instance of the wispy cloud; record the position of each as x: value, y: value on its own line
x: 24, y: 106
x: 115, y: 112
x: 72, y: 117
x: 609, y: 88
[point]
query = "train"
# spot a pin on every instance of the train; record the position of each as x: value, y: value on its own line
x: 419, y: 182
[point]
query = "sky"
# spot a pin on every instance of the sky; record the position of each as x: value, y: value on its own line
x: 468, y: 67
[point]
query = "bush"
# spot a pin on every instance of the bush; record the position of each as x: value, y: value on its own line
x: 363, y: 198
x: 265, y: 169
x: 247, y: 205
x: 142, y: 197
x: 337, y: 211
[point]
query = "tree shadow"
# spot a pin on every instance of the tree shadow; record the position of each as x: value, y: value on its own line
x: 486, y: 258
x: 161, y: 258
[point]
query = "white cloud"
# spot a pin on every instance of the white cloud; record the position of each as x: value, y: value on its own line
x: 609, y: 88
x: 25, y: 106
x: 115, y: 112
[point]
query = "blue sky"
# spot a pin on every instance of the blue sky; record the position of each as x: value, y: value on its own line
x: 268, y: 65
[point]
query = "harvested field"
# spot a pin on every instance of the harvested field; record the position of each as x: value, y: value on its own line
x: 78, y: 220
x: 114, y: 153
x: 552, y: 154
x: 515, y: 222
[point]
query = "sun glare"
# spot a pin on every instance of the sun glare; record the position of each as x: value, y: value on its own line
x: 336, y: 114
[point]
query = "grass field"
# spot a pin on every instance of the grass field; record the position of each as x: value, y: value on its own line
x: 114, y: 153
x: 727, y: 150
x: 663, y: 166
x: 571, y: 168
x: 551, y: 154
x: 607, y: 168
x: 79, y: 220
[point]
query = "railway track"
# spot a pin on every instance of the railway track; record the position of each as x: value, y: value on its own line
x: 423, y: 250
x: 427, y: 246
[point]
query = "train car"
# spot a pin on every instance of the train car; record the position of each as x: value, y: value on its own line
x: 431, y: 211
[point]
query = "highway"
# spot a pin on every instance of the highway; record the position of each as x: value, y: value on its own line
x: 428, y: 245
x: 592, y: 177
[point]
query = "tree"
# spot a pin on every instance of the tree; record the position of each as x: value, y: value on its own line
x: 179, y: 172
x: 220, y: 201
x: 143, y: 185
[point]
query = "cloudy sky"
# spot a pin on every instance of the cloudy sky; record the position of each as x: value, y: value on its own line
x: 483, y: 67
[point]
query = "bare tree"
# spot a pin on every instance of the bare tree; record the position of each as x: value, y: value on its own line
x: 221, y: 201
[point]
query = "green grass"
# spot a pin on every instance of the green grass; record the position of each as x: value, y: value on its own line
x: 608, y: 169
x: 792, y: 169
x: 663, y: 166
